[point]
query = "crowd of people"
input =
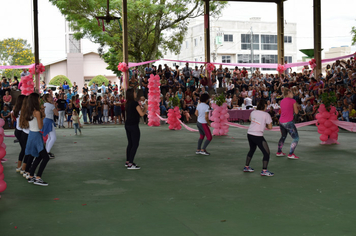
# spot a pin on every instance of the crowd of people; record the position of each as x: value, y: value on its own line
x: 245, y: 90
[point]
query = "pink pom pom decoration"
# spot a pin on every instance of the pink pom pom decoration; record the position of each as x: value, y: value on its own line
x: 122, y: 67
x: 312, y: 63
x: 2, y: 155
x: 210, y: 67
x: 153, y: 101
x: 280, y: 69
x: 173, y: 119
x: 27, y: 85
x: 219, y: 116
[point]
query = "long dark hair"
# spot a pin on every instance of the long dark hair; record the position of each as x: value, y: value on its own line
x: 29, y: 107
x: 18, y: 105
x: 22, y: 122
x: 130, y: 95
x: 261, y: 105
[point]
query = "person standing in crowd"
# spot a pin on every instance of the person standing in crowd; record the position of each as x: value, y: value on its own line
x: 220, y: 74
x: 94, y: 88
x: 19, y: 132
x: 48, y: 123
x: 85, y: 104
x: 31, y: 117
x: 288, y: 109
x: 65, y: 87
x: 134, y: 112
x: 75, y: 88
x: 259, y: 121
x: 61, y: 105
x: 85, y: 89
x: 203, y: 123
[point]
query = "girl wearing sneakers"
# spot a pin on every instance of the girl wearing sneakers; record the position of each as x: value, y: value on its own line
x: 133, y: 112
x: 31, y: 117
x: 259, y: 120
x: 48, y: 123
x: 203, y: 123
x: 288, y: 109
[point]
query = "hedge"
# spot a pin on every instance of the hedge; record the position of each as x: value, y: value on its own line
x: 60, y: 79
x: 99, y: 79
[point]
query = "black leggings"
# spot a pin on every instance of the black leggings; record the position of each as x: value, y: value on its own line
x: 259, y: 141
x: 43, y: 158
x: 22, y: 137
x: 133, y: 138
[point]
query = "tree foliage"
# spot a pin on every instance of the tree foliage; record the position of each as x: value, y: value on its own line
x: 353, y: 33
x: 99, y: 79
x: 154, y: 26
x: 15, y: 52
x: 59, y: 79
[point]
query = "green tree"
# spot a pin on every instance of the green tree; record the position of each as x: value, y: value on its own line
x: 353, y: 33
x: 99, y: 79
x: 15, y: 52
x: 155, y: 26
x: 59, y: 79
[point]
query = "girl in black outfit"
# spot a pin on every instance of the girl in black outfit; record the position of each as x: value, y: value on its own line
x: 133, y: 114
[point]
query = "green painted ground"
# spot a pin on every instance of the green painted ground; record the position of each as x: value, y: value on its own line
x: 179, y: 193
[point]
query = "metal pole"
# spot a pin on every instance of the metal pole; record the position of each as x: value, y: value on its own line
x: 125, y: 50
x: 317, y: 37
x: 37, y: 58
x: 207, y: 30
x: 280, y: 31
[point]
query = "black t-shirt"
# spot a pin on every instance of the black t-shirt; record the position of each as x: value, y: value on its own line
x: 61, y: 104
x: 132, y: 116
x: 85, y: 90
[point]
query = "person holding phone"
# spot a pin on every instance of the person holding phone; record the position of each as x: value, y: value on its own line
x: 133, y: 113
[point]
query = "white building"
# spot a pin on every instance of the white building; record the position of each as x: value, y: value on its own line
x: 231, y: 42
x: 338, y: 52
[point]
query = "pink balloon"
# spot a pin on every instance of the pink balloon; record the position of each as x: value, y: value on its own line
x: 321, y: 120
x: 1, y: 139
x: 328, y: 123
x: 328, y: 131
x: 3, y: 145
x: 318, y: 116
x: 334, y: 128
x: 222, y: 117
x: 333, y: 109
x: 321, y: 127
x: 216, y: 132
x: 1, y: 131
x: 1, y: 169
x: 2, y: 186
x: 320, y: 131
x: 227, y: 115
x: 333, y: 117
x: 334, y: 136
x: 326, y: 114
x: 322, y: 108
x: 323, y: 137
x: 2, y: 152
x: 2, y: 176
x: 2, y: 122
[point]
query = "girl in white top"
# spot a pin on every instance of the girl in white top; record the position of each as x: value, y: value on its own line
x: 48, y: 123
x: 259, y: 121
x: 203, y: 123
x: 19, y: 132
x: 32, y: 118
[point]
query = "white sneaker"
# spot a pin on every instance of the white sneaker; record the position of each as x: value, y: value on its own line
x: 18, y: 169
x: 133, y: 167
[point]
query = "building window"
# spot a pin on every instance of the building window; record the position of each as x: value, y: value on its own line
x: 246, y: 58
x: 195, y: 42
x: 269, y: 42
x: 246, y: 42
x: 287, y: 39
x: 186, y: 44
x: 228, y: 38
x: 226, y: 59
x: 269, y: 59
x: 288, y: 59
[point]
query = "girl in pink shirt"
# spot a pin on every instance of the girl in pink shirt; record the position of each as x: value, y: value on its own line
x: 288, y: 109
x: 259, y: 121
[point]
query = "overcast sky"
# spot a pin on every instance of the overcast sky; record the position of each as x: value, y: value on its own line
x: 338, y: 17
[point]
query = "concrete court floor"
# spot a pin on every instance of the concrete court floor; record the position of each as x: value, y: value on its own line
x: 177, y: 193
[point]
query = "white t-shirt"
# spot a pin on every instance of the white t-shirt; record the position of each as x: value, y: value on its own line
x: 259, y: 119
x: 248, y: 101
x: 49, y: 107
x: 202, y: 109
x: 18, y: 123
x: 228, y: 101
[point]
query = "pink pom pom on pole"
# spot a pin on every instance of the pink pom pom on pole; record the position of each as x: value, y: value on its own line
x: 122, y: 67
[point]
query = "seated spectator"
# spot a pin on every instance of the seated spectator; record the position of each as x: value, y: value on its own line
x: 248, y: 102
x: 345, y: 114
x: 6, y: 115
x: 7, y: 99
x: 235, y: 101
x: 301, y: 116
x: 272, y: 113
x: 189, y: 104
x: 352, y: 113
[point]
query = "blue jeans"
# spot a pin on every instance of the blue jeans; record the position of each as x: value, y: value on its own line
x: 163, y: 109
x: 76, y: 127
x: 85, y: 114
x: 91, y: 112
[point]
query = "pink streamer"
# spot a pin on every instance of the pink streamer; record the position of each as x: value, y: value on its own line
x: 15, y: 67
x: 187, y: 127
x: 345, y: 125
x: 161, y: 118
x: 299, y: 125
x: 9, y: 136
